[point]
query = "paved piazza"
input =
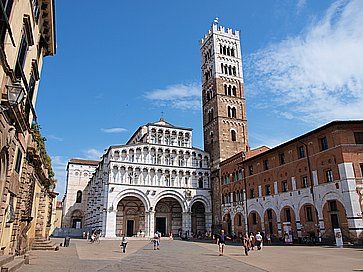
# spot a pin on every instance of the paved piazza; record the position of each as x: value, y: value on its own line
x: 191, y: 256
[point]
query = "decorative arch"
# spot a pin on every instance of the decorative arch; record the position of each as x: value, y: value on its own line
x: 173, y: 194
x: 132, y: 192
x: 204, y: 200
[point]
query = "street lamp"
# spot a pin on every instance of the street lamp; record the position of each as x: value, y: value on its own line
x: 15, y: 95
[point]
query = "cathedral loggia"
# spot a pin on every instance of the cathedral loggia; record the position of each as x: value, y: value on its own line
x: 157, y: 181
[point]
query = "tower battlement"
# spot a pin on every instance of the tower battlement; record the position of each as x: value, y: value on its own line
x: 221, y: 30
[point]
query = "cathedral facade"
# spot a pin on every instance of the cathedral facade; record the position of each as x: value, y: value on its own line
x: 157, y: 181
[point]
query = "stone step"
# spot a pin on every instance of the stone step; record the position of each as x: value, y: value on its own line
x: 6, y: 259
x: 13, y: 265
x: 52, y: 248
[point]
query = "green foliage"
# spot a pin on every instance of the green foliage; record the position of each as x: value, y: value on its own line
x: 42, y: 149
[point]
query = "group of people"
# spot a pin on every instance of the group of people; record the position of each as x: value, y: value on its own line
x: 250, y: 242
x: 92, y: 236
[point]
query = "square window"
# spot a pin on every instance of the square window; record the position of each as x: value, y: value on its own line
x: 324, y: 143
x: 252, y: 193
x: 268, y: 189
x: 358, y: 136
x: 282, y: 158
x: 304, y: 182
x: 301, y: 152
x: 265, y: 165
x: 284, y: 186
x: 329, y: 176
x: 250, y: 170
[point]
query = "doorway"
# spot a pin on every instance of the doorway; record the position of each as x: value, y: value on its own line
x: 161, y: 225
x: 130, y: 228
x: 77, y: 223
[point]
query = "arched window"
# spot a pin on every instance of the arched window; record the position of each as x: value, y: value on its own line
x: 220, y: 49
x: 233, y: 135
x: 224, y: 50
x: 222, y: 68
x: 229, y: 90
x: 228, y: 51
x: 232, y: 52
x: 233, y: 112
x: 226, y: 69
x: 230, y: 70
x: 225, y: 89
x: 234, y: 70
x: 234, y: 91
x: 79, y: 197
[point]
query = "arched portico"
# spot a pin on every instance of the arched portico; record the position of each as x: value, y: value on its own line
x: 168, y: 216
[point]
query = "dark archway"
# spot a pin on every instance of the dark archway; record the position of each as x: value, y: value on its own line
x: 130, y: 218
x: 168, y: 216
x: 198, y: 218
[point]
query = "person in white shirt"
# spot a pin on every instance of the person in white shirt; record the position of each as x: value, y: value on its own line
x: 259, y: 241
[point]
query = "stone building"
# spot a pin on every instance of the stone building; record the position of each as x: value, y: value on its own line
x: 27, y: 35
x: 79, y: 173
x: 224, y: 105
x: 157, y: 181
x: 305, y: 187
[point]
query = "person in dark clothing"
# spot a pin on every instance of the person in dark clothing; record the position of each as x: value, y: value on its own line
x: 221, y: 241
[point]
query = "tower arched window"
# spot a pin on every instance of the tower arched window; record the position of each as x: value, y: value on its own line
x: 211, y: 134
x: 229, y: 111
x: 234, y: 112
x: 234, y: 91
x: 225, y: 89
x: 79, y: 197
x: 233, y: 135
x: 229, y: 90
x: 230, y: 70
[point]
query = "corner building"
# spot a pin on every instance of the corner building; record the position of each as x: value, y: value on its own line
x: 224, y: 104
x: 305, y: 187
x: 157, y: 181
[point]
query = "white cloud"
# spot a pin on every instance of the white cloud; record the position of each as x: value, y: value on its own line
x: 113, y: 130
x: 317, y: 75
x: 54, y: 138
x: 300, y: 5
x: 179, y: 96
x: 92, y: 154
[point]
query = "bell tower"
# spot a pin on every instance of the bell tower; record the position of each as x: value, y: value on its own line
x: 224, y: 104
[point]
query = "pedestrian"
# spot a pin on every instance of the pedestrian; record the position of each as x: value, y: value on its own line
x: 156, y: 241
x: 221, y: 241
x: 268, y: 237
x: 252, y: 241
x: 123, y: 243
x: 259, y: 241
x: 246, y: 243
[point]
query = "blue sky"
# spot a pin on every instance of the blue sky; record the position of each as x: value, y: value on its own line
x: 120, y: 65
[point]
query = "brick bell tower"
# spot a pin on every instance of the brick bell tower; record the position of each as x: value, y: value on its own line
x: 224, y: 104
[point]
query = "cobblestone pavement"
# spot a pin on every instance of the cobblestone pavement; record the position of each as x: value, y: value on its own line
x: 191, y: 256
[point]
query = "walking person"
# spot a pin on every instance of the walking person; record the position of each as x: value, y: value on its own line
x: 221, y: 241
x: 259, y: 241
x: 123, y: 243
x: 157, y: 241
x: 268, y: 237
x: 252, y: 241
x: 246, y: 243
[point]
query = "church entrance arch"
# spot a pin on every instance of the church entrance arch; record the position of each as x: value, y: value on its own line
x: 168, y: 216
x: 130, y: 218
x: 198, y: 218
x: 77, y: 219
